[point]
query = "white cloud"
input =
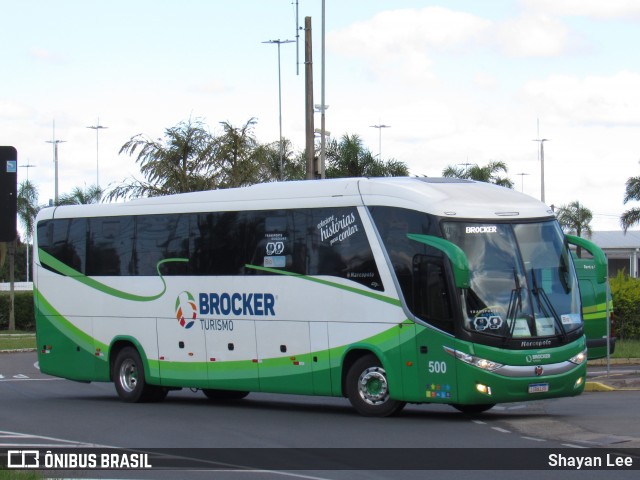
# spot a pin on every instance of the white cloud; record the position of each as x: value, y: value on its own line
x: 404, y: 40
x: 45, y: 55
x: 600, y: 9
x: 533, y: 36
x: 12, y: 110
x: 605, y: 100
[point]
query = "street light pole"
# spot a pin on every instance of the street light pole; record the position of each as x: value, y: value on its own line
x: 97, y: 127
x: 55, y: 160
x: 380, y: 127
x: 522, y: 180
x: 541, y: 156
x: 279, y: 42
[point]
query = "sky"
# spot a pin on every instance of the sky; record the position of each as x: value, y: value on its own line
x: 455, y: 81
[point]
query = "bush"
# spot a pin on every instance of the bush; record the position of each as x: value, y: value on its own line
x: 24, y: 312
x: 625, y: 292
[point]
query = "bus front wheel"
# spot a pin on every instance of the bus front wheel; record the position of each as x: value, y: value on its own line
x: 128, y: 377
x: 368, y: 390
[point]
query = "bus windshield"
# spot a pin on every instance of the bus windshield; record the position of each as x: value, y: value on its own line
x: 523, y: 284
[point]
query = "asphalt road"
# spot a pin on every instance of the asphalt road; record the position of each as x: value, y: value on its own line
x: 45, y: 412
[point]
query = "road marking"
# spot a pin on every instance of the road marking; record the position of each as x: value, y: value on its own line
x: 571, y: 445
x: 502, y: 430
x: 533, y: 439
x: 58, y: 441
x: 27, y: 379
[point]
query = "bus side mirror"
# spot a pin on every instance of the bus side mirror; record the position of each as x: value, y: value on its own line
x: 599, y: 257
x: 454, y: 254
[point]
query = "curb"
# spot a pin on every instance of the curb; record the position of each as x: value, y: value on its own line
x: 597, y: 387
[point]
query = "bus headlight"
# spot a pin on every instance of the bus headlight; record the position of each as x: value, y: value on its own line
x: 481, y: 363
x: 580, y: 358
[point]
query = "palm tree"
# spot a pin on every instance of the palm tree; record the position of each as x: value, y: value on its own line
x: 576, y: 220
x: 79, y: 196
x: 238, y: 159
x: 350, y: 158
x: 293, y: 165
x: 27, y: 205
x: 182, y: 162
x: 489, y: 173
x: 631, y: 217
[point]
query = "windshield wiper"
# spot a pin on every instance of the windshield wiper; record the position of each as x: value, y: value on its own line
x: 515, y: 306
x: 546, y: 306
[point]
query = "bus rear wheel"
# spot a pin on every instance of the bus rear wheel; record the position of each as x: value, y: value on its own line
x: 128, y: 377
x: 368, y: 390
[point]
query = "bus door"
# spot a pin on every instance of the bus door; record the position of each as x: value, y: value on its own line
x: 432, y: 302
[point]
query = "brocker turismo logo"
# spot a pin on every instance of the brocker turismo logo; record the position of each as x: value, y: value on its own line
x: 186, y: 310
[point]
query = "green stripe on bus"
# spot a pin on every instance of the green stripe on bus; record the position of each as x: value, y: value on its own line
x: 358, y: 291
x: 66, y: 270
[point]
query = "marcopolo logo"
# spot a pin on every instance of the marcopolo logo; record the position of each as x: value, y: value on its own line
x: 186, y: 310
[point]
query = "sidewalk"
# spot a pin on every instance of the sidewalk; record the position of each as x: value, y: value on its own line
x: 624, y: 374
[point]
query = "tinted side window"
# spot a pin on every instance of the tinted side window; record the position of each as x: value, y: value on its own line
x: 420, y: 269
x: 159, y: 237
x: 340, y: 247
x: 278, y: 240
x: 66, y: 240
x: 110, y: 247
x: 218, y: 243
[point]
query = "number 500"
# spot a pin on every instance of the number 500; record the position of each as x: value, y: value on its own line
x: 437, y: 367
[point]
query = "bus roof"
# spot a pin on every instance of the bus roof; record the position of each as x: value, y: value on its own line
x: 447, y: 197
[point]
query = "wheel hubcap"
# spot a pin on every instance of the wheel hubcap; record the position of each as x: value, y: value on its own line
x: 128, y: 375
x: 372, y: 386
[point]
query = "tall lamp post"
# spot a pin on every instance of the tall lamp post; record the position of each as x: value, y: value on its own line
x: 541, y: 157
x: 55, y: 161
x: 280, y: 42
x: 97, y: 127
x: 380, y: 127
x: 522, y: 180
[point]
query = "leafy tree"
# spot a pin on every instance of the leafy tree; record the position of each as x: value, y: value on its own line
x: 489, y: 173
x: 27, y: 203
x: 625, y: 292
x: 293, y: 165
x: 350, y: 158
x: 79, y: 196
x: 631, y: 217
x: 576, y: 220
x: 182, y: 162
x: 239, y: 160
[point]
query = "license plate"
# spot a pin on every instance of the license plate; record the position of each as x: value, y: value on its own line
x: 538, y: 387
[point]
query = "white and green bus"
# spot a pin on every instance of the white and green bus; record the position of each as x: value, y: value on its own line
x: 386, y: 291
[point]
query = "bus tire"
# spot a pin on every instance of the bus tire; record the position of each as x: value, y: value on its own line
x: 213, y: 394
x: 473, y: 409
x: 128, y: 377
x: 368, y: 390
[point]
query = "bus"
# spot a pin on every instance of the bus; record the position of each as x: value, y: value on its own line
x: 386, y: 291
x: 597, y: 310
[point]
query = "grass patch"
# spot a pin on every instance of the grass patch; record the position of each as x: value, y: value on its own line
x: 12, y: 340
x: 627, y: 349
x: 20, y: 475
